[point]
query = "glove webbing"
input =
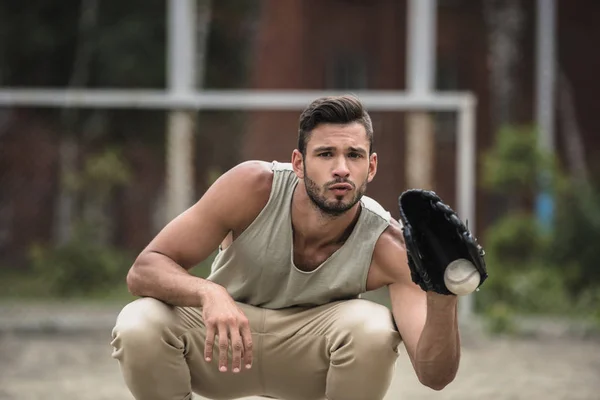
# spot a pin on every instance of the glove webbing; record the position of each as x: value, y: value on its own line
x: 451, y: 216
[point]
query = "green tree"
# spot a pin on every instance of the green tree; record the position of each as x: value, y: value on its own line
x: 534, y: 270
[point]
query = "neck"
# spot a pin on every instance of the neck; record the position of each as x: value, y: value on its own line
x: 312, y: 225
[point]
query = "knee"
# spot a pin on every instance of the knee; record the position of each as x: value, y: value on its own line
x: 140, y: 325
x: 369, y: 328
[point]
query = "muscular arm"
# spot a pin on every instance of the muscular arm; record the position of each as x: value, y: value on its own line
x: 427, y: 322
x: 162, y: 268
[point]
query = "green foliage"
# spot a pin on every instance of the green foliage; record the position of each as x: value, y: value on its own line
x: 574, y: 244
x: 527, y: 288
x: 515, y: 239
x: 534, y: 271
x: 515, y: 164
x: 87, y: 263
x: 79, y: 267
x: 589, y: 300
x: 500, y: 319
x: 102, y: 172
x: 509, y: 164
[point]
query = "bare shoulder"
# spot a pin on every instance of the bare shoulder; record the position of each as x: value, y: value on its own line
x: 242, y: 192
x: 393, y: 234
x: 390, y: 260
x: 250, y: 176
x: 227, y: 207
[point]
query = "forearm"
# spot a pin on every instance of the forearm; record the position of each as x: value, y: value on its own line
x: 438, y: 350
x: 155, y: 275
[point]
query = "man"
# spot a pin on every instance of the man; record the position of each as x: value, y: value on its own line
x: 279, y: 315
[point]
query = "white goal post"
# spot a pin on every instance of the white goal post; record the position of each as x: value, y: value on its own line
x: 462, y: 103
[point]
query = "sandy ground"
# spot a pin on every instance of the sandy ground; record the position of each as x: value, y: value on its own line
x: 75, y: 366
x: 50, y: 352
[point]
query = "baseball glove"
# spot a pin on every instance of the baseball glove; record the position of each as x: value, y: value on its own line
x: 435, y: 236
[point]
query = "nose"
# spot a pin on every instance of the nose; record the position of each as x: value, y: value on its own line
x: 340, y: 169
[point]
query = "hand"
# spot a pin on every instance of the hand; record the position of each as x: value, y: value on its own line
x: 224, y: 318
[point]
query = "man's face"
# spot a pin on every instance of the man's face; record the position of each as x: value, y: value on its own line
x: 337, y: 166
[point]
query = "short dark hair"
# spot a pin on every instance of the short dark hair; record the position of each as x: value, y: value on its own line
x: 333, y: 110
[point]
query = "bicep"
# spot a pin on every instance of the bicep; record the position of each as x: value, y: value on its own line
x: 196, y: 233
x: 409, y: 308
x: 190, y: 237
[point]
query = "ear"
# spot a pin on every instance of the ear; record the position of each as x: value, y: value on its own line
x: 298, y: 163
x: 372, y: 167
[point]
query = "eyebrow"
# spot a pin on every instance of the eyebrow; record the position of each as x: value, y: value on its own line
x: 331, y: 148
x: 358, y: 150
x: 323, y: 148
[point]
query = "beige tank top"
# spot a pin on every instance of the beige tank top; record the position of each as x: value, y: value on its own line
x: 258, y: 267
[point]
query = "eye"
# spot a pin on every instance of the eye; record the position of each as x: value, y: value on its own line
x: 325, y: 154
x: 355, y: 155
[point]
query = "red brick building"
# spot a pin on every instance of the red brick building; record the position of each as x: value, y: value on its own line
x: 353, y: 44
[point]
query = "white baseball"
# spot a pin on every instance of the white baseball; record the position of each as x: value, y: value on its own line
x: 461, y: 277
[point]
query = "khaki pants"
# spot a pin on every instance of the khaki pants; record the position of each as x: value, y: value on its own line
x: 340, y: 351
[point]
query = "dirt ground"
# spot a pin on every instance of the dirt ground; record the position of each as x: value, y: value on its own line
x: 78, y: 366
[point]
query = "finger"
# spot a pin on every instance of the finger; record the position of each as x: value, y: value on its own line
x: 223, y: 348
x: 236, y: 349
x: 209, y: 343
x: 247, y: 340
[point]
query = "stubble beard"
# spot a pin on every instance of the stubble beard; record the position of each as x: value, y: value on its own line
x: 330, y: 208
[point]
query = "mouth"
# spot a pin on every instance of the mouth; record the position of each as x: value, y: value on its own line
x: 344, y: 186
x: 341, y: 188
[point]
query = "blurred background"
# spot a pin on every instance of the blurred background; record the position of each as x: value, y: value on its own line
x: 116, y: 116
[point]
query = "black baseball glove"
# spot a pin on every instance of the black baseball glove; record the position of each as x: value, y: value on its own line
x: 435, y: 237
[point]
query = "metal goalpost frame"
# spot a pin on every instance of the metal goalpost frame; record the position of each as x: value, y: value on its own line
x: 182, y: 96
x: 294, y: 100
x: 251, y: 99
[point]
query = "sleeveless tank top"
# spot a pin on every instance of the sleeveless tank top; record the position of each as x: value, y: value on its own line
x: 258, y: 267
